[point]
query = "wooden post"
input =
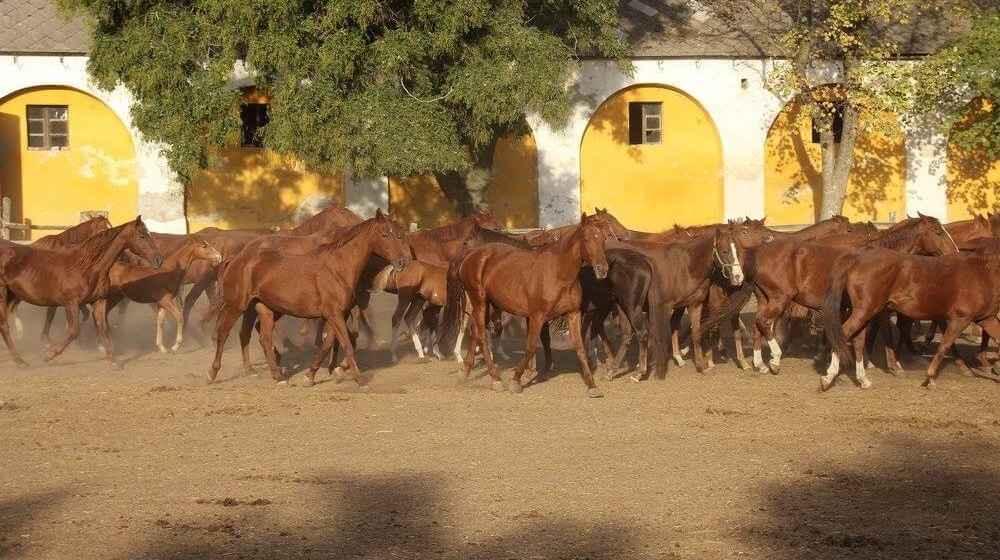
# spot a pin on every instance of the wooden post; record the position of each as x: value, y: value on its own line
x: 5, y: 211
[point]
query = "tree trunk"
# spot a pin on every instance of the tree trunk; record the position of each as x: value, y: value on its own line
x: 466, y: 189
x: 838, y: 160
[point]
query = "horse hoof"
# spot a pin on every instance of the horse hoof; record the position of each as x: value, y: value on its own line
x: 514, y: 386
x: 744, y: 365
x: 594, y: 393
x: 775, y: 369
x: 282, y: 383
x: 49, y: 356
x: 424, y: 360
x: 929, y: 384
x: 115, y: 365
x: 825, y: 385
x: 636, y: 378
x: 498, y: 386
x: 162, y: 349
x: 679, y: 361
x: 307, y: 382
x: 866, y: 385
x: 996, y: 368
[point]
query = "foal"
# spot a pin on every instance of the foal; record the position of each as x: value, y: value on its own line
x: 158, y: 287
x: 68, y: 278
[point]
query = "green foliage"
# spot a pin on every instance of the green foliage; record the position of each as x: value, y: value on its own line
x: 963, y: 81
x: 381, y: 87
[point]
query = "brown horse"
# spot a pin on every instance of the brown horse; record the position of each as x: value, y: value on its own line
x: 792, y: 272
x: 539, y: 284
x: 960, y: 289
x: 439, y: 246
x: 419, y: 287
x: 68, y: 278
x: 966, y: 230
x: 601, y: 215
x: 158, y: 287
x: 331, y: 217
x: 323, y: 286
x: 62, y: 240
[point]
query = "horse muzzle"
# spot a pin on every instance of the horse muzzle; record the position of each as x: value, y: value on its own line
x: 601, y: 271
x: 736, y: 279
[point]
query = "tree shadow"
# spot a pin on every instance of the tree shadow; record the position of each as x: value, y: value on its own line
x: 392, y: 516
x: 20, y: 514
x: 908, y: 498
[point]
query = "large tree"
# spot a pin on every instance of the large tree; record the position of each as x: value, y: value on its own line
x: 839, y: 59
x: 380, y: 87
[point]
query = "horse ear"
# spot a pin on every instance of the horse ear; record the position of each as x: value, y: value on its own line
x: 378, y: 213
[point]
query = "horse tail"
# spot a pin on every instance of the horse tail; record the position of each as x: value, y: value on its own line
x: 451, y: 314
x: 734, y: 304
x: 211, y: 315
x: 830, y: 312
x: 657, y: 320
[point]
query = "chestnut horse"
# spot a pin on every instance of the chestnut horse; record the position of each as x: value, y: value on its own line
x: 791, y: 272
x: 62, y: 240
x: 158, y: 287
x: 323, y: 286
x: 68, y: 278
x: 421, y: 289
x: 540, y: 284
x: 959, y: 289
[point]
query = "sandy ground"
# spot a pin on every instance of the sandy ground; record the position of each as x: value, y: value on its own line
x: 150, y: 462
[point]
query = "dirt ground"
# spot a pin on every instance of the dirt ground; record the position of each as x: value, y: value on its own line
x: 151, y: 462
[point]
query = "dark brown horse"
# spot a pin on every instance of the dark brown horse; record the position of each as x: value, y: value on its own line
x: 539, y: 284
x: 158, y: 287
x: 68, y: 278
x: 323, y: 286
x: 959, y: 289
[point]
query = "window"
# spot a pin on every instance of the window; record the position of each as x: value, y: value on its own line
x: 644, y: 125
x: 48, y: 127
x: 254, y: 117
x: 838, y: 126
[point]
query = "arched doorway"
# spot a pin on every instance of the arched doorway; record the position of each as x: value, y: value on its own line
x: 512, y: 193
x: 652, y: 156
x: 973, y: 176
x: 63, y: 152
x: 876, y: 189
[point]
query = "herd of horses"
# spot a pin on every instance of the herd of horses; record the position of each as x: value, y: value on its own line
x: 467, y: 280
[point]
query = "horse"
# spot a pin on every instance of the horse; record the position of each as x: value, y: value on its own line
x: 959, y: 289
x: 59, y: 241
x: 421, y: 289
x: 792, y: 272
x: 158, y: 287
x: 540, y: 284
x: 68, y: 278
x: 966, y: 230
x: 439, y: 246
x: 605, y: 218
x: 259, y: 287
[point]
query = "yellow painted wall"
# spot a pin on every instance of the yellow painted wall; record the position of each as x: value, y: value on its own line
x: 973, y: 177
x: 254, y: 188
x: 52, y: 187
x: 876, y: 190
x: 512, y: 194
x: 653, y: 186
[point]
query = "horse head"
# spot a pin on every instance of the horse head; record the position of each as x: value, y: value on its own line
x: 204, y: 251
x: 485, y: 219
x: 593, y: 233
x: 729, y: 251
x: 612, y: 227
x: 141, y: 243
x: 390, y: 241
x: 933, y: 238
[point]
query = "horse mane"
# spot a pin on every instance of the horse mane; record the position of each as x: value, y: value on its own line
x: 90, y: 249
x: 894, y: 237
x: 77, y: 233
x: 489, y: 236
x: 348, y: 234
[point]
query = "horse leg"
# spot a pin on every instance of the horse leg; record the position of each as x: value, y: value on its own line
x: 768, y: 311
x: 955, y: 327
x: 694, y: 312
x: 536, y: 323
x: 546, y: 338
x: 458, y: 341
x: 50, y: 315
x: 675, y: 330
x: 859, y: 342
x: 171, y: 306
x: 991, y: 329
x: 339, y: 329
x: 161, y: 317
x: 479, y: 317
x: 198, y: 288
x: 404, y: 299
x: 73, y: 330
x: 581, y: 354
x: 102, y: 325
x: 891, y: 359
x: 738, y: 328
x: 246, y: 332
x: 226, y: 319
x: 628, y: 333
x: 265, y: 323
x: 412, y: 320
x: 5, y: 312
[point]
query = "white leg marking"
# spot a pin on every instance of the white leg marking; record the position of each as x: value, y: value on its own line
x: 461, y: 336
x: 679, y: 358
x: 859, y: 370
x: 772, y: 343
x: 758, y: 358
x: 834, y: 368
x: 418, y: 346
x: 161, y: 316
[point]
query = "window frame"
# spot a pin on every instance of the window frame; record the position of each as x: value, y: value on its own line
x: 46, y: 134
x: 640, y: 113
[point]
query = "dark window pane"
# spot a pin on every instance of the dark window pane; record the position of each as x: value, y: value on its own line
x: 36, y: 111
x: 57, y: 127
x: 35, y: 127
x: 635, y: 123
x: 36, y: 141
x: 651, y: 108
x: 652, y: 137
x: 254, y: 116
x: 58, y: 113
x: 58, y: 141
x: 652, y: 122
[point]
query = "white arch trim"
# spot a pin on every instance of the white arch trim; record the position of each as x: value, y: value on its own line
x: 161, y: 195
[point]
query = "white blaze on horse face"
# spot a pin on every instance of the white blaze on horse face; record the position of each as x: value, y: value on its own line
x: 737, y: 277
